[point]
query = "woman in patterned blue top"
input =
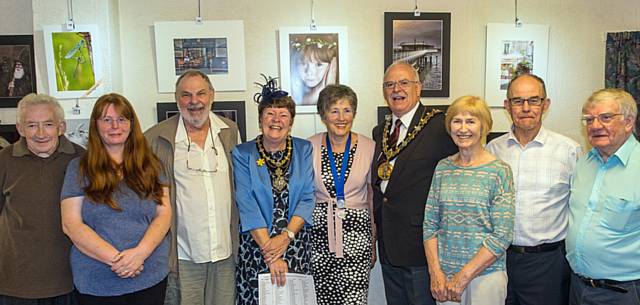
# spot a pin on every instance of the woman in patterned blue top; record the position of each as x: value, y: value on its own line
x: 468, y: 221
x: 115, y: 210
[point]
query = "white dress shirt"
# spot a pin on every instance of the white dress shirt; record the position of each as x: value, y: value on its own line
x: 542, y: 171
x: 203, y: 199
x: 404, y: 128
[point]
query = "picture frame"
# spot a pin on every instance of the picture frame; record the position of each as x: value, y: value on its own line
x: 424, y: 41
x: 511, y: 50
x: 75, y: 61
x: 9, y: 133
x: 310, y: 60
x: 233, y: 110
x: 16, y: 52
x: 213, y: 47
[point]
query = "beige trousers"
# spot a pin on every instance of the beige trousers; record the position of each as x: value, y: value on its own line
x: 490, y: 289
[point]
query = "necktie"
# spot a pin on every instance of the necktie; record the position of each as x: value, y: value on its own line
x: 393, y: 138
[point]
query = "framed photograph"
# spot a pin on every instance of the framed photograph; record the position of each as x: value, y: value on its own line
x: 214, y: 47
x: 9, y: 133
x: 231, y: 110
x: 513, y: 50
x: 310, y: 60
x: 423, y: 41
x: 74, y: 61
x: 17, y: 69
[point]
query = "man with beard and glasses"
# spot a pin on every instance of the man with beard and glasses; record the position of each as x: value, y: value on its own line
x: 195, y: 150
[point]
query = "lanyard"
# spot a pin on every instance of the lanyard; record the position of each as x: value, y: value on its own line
x: 339, y: 180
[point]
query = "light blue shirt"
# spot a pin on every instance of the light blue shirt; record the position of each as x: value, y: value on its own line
x: 603, y: 241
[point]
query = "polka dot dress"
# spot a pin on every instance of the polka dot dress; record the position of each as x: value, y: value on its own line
x: 341, y: 280
x: 250, y: 260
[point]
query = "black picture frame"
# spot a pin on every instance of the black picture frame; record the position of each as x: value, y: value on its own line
x: 431, y: 61
x: 9, y: 133
x: 16, y: 48
x: 233, y: 110
x: 383, y: 111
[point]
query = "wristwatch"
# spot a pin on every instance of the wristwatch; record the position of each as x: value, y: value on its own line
x: 290, y: 233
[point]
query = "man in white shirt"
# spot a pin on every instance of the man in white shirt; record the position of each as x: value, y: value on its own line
x: 542, y: 162
x: 195, y: 148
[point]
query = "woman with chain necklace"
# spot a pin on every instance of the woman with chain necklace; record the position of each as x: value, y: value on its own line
x: 468, y: 218
x: 342, y: 231
x: 275, y: 196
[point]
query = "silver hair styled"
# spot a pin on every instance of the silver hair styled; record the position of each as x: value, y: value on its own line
x: 416, y: 76
x: 33, y: 99
x: 625, y: 101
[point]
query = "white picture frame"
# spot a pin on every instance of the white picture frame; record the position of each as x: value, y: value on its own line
x: 292, y: 42
x: 510, y: 48
x: 228, y: 52
x: 81, y: 48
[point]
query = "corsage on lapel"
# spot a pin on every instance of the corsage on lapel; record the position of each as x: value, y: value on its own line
x: 260, y: 162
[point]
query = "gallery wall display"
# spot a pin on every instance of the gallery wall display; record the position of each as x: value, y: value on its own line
x: 310, y: 60
x: 233, y: 110
x: 17, y: 69
x: 512, y: 50
x: 214, y: 47
x: 74, y: 61
x: 423, y: 41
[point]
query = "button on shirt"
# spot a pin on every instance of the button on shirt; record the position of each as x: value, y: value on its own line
x: 603, y: 241
x: 542, y: 172
x: 203, y: 199
x: 404, y: 129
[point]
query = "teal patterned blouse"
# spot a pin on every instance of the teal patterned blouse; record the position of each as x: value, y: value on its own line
x: 468, y: 208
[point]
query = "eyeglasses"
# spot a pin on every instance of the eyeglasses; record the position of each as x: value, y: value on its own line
x: 532, y: 101
x: 604, y: 118
x: 109, y: 120
x: 403, y: 83
x: 199, y: 168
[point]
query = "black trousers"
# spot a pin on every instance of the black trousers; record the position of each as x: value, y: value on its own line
x: 583, y: 294
x: 153, y: 295
x: 406, y: 285
x: 538, y: 278
x: 65, y: 299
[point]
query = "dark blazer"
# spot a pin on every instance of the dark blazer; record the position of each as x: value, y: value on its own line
x: 399, y: 212
x: 254, y: 194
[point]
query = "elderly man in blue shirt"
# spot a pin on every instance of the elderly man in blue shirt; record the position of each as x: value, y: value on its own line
x: 603, y: 242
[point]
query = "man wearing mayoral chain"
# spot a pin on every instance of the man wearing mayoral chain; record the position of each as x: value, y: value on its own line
x: 409, y: 144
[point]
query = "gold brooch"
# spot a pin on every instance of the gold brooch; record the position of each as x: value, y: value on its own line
x: 260, y: 162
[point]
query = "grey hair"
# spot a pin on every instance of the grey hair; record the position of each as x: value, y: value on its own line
x: 190, y: 73
x: 332, y: 94
x: 398, y: 63
x: 33, y: 99
x: 625, y: 101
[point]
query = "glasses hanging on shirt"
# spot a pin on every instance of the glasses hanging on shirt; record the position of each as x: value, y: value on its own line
x: 195, y: 159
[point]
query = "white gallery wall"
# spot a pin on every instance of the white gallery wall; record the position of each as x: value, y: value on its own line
x: 576, y: 46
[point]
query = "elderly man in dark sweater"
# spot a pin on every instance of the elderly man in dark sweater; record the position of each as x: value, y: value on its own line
x: 34, y: 259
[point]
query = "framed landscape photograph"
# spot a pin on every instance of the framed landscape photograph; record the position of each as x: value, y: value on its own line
x: 311, y: 60
x: 511, y: 51
x: 74, y: 61
x: 216, y: 48
x: 424, y: 42
x: 17, y: 69
x: 234, y: 111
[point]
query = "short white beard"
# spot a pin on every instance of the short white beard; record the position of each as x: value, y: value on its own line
x: 18, y: 73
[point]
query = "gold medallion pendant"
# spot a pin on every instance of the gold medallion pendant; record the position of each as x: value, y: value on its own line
x: 279, y: 182
x: 384, y: 170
